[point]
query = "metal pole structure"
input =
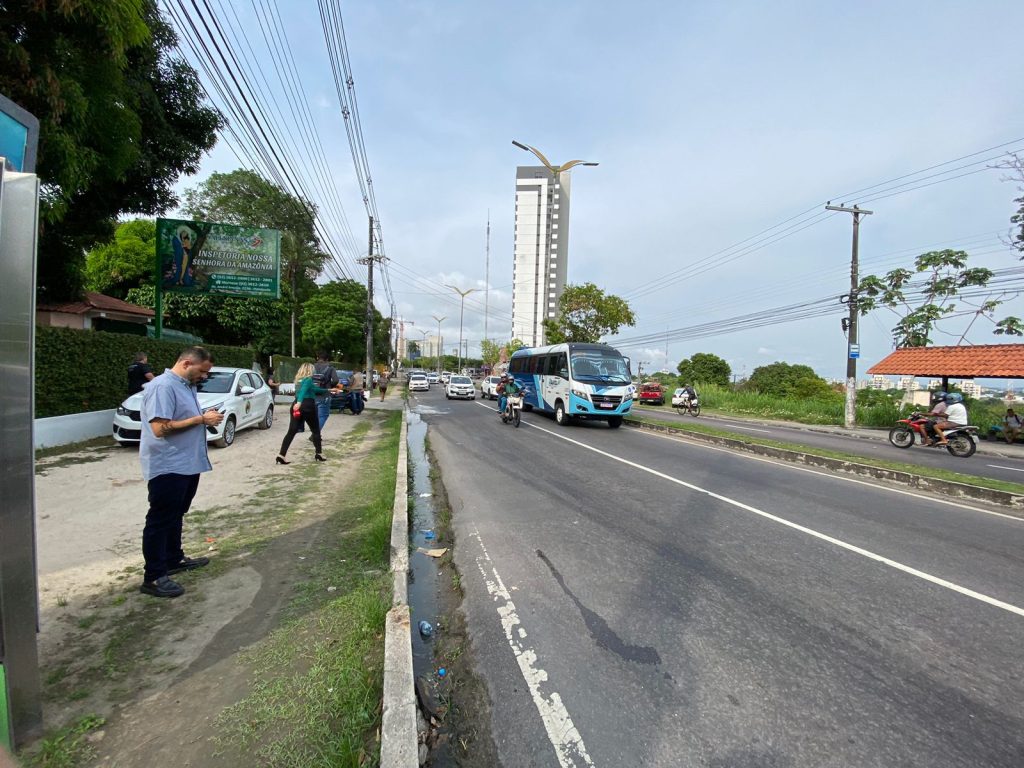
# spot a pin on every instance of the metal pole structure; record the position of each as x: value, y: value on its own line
x: 462, y: 308
x: 487, y: 274
x: 440, y: 346
x: 294, y: 288
x: 853, y: 345
x: 368, y: 261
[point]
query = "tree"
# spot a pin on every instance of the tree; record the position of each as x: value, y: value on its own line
x: 785, y: 380
x: 705, y: 368
x: 121, y: 119
x: 335, y: 319
x: 490, y: 353
x: 126, y: 262
x: 922, y: 304
x: 586, y: 313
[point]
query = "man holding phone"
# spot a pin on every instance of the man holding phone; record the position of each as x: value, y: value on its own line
x: 173, y: 454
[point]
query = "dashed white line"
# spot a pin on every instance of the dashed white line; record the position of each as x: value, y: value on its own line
x: 997, y: 466
x: 802, y: 528
x: 749, y: 429
x: 564, y: 736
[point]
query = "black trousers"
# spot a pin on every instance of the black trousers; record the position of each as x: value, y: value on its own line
x: 170, y: 496
x: 307, y: 415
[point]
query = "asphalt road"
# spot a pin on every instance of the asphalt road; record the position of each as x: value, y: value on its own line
x: 635, y: 600
x: 982, y: 464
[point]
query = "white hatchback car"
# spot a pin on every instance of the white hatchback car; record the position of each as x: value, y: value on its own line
x: 460, y: 386
x: 418, y: 381
x: 433, y: 378
x: 240, y: 394
x: 489, y: 387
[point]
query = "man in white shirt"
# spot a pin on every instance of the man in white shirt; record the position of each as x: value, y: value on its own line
x: 955, y: 416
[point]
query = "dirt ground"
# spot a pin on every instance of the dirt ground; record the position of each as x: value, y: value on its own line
x: 160, y: 671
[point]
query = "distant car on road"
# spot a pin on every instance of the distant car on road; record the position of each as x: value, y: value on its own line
x: 489, y: 387
x: 651, y: 394
x: 418, y: 382
x: 240, y: 394
x: 445, y: 376
x: 460, y: 387
x: 433, y: 378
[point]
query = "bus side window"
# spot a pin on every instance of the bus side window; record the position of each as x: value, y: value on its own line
x: 561, y: 367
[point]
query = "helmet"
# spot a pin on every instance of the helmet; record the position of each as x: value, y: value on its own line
x: 954, y: 397
x: 939, y: 397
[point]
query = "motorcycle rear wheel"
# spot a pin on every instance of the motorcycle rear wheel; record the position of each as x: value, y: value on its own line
x: 901, y: 437
x: 962, y: 446
x: 515, y: 418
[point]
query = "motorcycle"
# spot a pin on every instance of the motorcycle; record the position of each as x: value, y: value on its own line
x: 961, y: 440
x: 513, y: 408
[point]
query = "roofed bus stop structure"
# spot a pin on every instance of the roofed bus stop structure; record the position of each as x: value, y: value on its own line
x: 988, y: 361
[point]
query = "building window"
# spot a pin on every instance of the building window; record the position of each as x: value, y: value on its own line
x: 554, y: 236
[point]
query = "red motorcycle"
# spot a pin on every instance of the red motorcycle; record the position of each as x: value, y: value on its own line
x: 961, y: 442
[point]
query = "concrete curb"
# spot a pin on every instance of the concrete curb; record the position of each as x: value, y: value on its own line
x: 1014, y: 503
x: 398, y: 744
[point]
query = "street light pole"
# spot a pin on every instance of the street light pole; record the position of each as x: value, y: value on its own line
x: 440, y: 346
x: 556, y: 171
x: 462, y: 312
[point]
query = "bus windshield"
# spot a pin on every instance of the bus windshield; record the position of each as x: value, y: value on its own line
x: 605, y: 366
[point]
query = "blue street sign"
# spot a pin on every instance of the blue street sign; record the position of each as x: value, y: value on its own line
x: 19, y: 137
x: 854, y: 351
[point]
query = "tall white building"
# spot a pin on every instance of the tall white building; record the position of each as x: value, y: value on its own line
x: 878, y: 381
x: 541, y: 248
x: 970, y: 388
x: 908, y: 384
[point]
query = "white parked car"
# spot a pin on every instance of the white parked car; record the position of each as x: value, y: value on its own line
x: 433, y: 378
x: 489, y: 387
x: 418, y: 381
x: 460, y: 386
x: 240, y: 394
x: 445, y: 375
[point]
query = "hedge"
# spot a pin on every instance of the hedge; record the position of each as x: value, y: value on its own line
x: 79, y: 371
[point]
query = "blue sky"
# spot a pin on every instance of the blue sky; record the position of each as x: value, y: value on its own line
x: 710, y: 121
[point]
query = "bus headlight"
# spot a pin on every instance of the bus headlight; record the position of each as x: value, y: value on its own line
x: 581, y: 394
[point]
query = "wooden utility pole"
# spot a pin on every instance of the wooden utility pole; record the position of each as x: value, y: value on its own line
x: 368, y: 261
x: 853, y: 344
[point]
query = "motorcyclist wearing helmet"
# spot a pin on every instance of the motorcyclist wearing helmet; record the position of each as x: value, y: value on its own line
x: 954, y: 416
x: 506, y: 387
x: 936, y: 414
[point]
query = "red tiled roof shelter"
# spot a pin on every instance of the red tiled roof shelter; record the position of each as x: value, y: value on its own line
x: 99, y: 302
x: 989, y: 361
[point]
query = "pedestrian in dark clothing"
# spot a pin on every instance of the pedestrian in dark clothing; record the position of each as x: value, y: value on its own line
x: 326, y: 377
x: 173, y: 454
x: 139, y: 373
x: 304, y: 412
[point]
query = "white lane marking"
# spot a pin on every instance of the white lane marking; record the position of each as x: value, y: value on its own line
x: 562, y: 733
x: 749, y: 429
x: 797, y: 468
x: 997, y: 466
x: 802, y: 528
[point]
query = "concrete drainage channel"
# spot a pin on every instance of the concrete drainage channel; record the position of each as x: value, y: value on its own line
x: 410, y: 672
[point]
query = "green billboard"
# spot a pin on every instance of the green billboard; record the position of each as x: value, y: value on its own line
x: 202, y: 257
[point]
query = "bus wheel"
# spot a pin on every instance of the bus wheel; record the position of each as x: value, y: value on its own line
x: 614, y: 422
x: 561, y: 417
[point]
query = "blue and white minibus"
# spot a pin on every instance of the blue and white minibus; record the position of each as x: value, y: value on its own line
x: 575, y: 381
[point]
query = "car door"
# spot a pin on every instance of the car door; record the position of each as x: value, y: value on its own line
x: 556, y: 380
x: 245, y: 407
x: 262, y: 398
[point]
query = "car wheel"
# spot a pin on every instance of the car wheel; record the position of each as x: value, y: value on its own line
x: 268, y: 418
x: 228, y: 436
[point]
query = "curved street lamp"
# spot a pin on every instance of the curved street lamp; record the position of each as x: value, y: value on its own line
x: 440, y: 346
x: 462, y: 308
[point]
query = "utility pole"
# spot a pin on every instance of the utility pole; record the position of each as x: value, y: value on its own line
x: 487, y: 274
x: 440, y: 346
x: 853, y: 344
x: 368, y: 261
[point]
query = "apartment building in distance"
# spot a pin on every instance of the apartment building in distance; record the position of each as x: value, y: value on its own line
x: 541, y: 250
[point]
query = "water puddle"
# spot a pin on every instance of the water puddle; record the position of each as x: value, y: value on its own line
x: 423, y: 569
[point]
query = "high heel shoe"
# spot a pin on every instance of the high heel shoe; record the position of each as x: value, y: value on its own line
x: 280, y: 460
x: 318, y: 457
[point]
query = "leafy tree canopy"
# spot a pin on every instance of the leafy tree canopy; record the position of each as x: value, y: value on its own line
x: 334, y: 319
x: 942, y: 280
x: 126, y: 262
x: 785, y: 380
x: 586, y: 313
x: 121, y: 119
x: 704, y: 368
x: 490, y: 352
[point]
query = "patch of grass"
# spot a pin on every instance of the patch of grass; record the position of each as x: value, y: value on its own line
x: 66, y: 748
x: 319, y: 677
x: 897, y: 466
x: 62, y: 601
x: 87, y: 621
x: 106, y: 442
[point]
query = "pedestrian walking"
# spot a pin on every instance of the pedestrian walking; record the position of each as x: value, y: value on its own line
x: 383, y: 385
x: 173, y: 454
x: 357, y: 392
x: 1011, y: 425
x: 139, y: 373
x: 325, y: 377
x: 303, y: 410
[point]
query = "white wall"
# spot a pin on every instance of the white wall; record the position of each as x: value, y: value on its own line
x: 61, y: 430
